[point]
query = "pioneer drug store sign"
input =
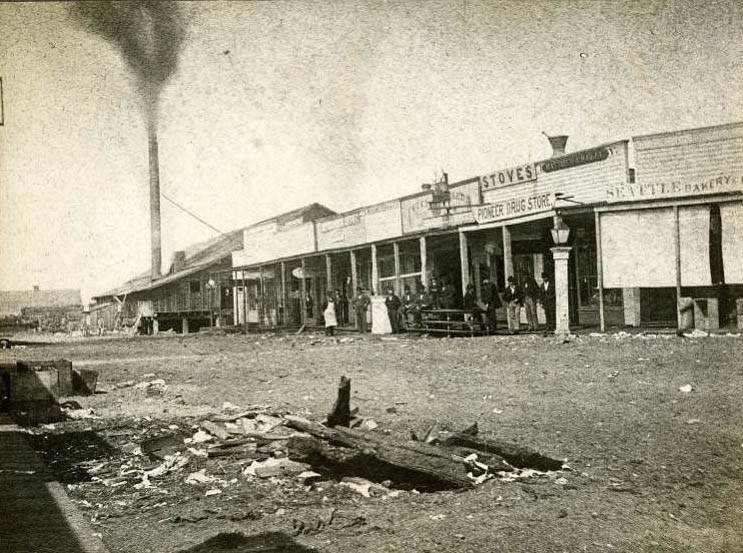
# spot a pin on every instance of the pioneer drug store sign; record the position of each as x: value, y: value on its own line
x: 511, y: 208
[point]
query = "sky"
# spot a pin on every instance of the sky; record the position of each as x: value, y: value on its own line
x: 275, y: 105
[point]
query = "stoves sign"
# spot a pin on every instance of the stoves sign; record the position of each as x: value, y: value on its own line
x: 574, y: 160
x: 507, y: 177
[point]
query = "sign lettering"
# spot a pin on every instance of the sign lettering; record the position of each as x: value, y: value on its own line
x: 575, y: 159
x: 647, y: 191
x: 506, y: 177
x: 515, y: 207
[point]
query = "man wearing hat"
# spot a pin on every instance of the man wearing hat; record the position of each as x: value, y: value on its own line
x: 547, y: 299
x: 392, y: 302
x: 513, y: 297
x: 491, y: 298
x: 361, y: 303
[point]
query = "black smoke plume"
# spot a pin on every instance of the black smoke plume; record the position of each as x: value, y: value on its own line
x: 149, y: 35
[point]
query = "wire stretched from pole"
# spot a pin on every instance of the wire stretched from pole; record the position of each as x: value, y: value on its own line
x: 192, y: 214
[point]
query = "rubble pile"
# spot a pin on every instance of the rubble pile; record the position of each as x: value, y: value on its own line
x: 227, y: 459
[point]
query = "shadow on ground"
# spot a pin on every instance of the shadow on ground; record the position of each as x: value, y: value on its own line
x: 267, y: 542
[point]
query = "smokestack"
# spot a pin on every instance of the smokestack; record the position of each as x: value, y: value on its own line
x: 558, y: 144
x: 149, y: 35
x: 155, y: 239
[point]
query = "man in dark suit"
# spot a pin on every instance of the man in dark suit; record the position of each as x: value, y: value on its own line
x: 408, y: 306
x: 513, y: 297
x: 531, y: 297
x: 547, y: 298
x: 392, y: 302
x: 491, y: 299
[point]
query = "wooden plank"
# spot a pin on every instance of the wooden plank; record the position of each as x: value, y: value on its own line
x: 434, y: 462
x: 516, y: 455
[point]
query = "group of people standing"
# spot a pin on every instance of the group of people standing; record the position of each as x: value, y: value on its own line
x: 335, y: 310
x: 514, y: 297
x: 528, y: 296
x: 442, y: 295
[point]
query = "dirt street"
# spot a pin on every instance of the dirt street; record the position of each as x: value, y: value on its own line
x: 649, y: 467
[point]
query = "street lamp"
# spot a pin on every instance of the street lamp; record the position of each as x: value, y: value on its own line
x: 561, y: 254
x: 211, y: 285
x: 560, y: 231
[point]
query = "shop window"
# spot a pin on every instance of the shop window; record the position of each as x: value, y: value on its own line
x: 523, y: 267
x: 386, y: 266
x: 226, y: 297
x: 585, y: 269
x: 413, y: 282
x: 410, y: 260
x: 613, y: 297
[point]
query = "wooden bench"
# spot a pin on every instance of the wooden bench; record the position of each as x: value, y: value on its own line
x: 449, y: 322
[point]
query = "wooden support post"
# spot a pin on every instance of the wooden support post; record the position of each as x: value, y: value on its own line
x: 374, y: 270
x: 464, y: 261
x: 600, y: 270
x: 261, y: 300
x: 424, y: 272
x: 245, y: 301
x: 354, y: 271
x: 396, y: 253
x: 328, y: 273
x: 354, y: 285
x: 677, y: 244
x: 507, y: 256
x: 303, y: 292
x: 284, y: 297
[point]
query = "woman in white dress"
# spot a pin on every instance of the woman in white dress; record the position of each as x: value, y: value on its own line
x: 331, y: 319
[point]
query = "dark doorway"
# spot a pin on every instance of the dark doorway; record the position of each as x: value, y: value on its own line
x: 658, y: 306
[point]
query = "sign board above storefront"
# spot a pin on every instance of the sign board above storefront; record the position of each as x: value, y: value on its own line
x: 574, y: 160
x: 420, y: 213
x: 346, y: 230
x: 507, y: 177
x: 714, y: 184
x: 382, y: 221
x: 694, y: 162
x: 527, y: 203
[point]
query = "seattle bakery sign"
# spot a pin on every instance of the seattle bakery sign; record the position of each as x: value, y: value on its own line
x: 713, y: 184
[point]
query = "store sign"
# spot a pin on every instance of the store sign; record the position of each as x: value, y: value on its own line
x: 519, y: 206
x: 382, y: 221
x: 506, y: 177
x: 347, y: 230
x: 420, y: 213
x: 714, y: 184
x: 574, y: 160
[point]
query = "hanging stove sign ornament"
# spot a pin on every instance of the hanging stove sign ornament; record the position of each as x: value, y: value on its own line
x: 298, y: 272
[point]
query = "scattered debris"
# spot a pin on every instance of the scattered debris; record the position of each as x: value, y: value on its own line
x: 273, y: 467
x: 215, y: 429
x: 78, y: 414
x: 158, y: 384
x: 199, y: 477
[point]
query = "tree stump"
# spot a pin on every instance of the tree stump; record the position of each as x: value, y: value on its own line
x: 341, y: 413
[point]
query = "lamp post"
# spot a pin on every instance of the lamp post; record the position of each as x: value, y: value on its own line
x: 561, y: 254
x: 211, y: 285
